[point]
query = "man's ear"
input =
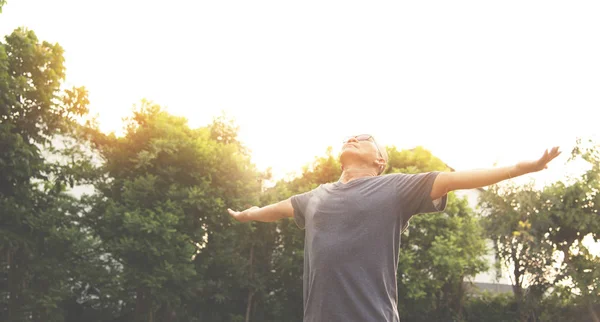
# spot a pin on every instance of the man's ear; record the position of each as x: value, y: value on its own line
x: 380, y: 165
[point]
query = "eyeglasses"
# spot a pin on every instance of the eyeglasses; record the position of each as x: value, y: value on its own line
x: 364, y: 137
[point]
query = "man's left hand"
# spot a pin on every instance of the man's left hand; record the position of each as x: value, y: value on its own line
x: 541, y: 163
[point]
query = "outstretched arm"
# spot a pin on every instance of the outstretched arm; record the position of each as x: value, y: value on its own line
x: 268, y: 213
x: 449, y: 181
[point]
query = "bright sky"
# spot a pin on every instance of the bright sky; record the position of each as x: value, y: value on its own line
x: 475, y: 82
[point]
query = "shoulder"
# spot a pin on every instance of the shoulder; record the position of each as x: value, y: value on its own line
x: 411, y: 179
x: 308, y: 193
x: 411, y: 176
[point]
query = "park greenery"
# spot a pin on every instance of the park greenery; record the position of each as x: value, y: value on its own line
x: 152, y: 241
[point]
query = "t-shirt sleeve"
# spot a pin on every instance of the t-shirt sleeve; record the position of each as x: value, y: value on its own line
x: 415, y: 194
x: 300, y: 204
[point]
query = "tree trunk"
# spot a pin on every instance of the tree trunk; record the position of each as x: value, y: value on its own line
x: 593, y: 314
x: 44, y: 289
x: 15, y: 283
x: 518, y: 288
x: 251, y: 291
x: 460, y: 301
x: 249, y: 306
x: 165, y: 313
x: 11, y: 288
x: 141, y: 309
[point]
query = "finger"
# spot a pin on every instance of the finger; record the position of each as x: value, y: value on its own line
x: 551, y: 156
x: 233, y: 213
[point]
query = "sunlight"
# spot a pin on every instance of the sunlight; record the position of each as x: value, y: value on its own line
x: 327, y: 94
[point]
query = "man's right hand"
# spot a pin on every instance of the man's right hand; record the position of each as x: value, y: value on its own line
x: 242, y: 216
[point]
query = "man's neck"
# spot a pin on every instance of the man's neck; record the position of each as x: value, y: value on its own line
x: 355, y: 173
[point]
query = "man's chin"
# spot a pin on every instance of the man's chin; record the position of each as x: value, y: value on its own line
x: 348, y: 152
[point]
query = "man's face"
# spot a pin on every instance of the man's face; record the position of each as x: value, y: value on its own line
x: 361, y: 147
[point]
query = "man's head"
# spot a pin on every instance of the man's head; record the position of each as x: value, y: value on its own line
x: 365, y: 151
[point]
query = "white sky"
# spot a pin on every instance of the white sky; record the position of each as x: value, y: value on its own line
x: 475, y: 82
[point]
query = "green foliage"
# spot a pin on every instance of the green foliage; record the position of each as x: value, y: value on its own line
x: 43, y: 249
x: 416, y: 160
x: 530, y: 227
x: 503, y: 307
x: 500, y: 307
x: 159, y: 211
x: 438, y: 253
x: 573, y: 210
x: 516, y: 223
x: 559, y: 306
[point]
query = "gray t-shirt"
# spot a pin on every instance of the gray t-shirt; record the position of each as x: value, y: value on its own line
x: 352, y: 240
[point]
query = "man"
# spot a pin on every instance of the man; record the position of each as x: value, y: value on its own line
x: 353, y: 226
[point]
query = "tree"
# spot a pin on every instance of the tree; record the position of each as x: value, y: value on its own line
x: 516, y: 222
x: 40, y: 227
x: 531, y: 226
x: 159, y: 208
x: 234, y: 262
x: 573, y: 210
